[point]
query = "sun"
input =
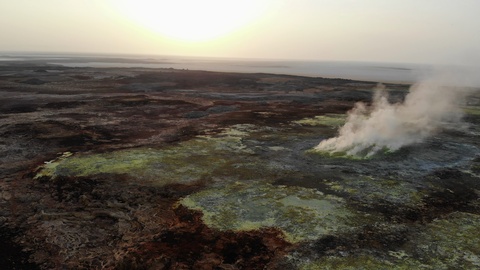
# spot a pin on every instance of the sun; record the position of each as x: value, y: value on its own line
x: 192, y: 20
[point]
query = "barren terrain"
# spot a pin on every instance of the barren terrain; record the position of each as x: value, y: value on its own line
x: 135, y: 168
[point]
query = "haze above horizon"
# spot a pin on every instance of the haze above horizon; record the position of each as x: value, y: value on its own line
x: 427, y: 32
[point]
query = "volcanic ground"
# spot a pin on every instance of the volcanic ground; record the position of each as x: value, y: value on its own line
x: 135, y: 168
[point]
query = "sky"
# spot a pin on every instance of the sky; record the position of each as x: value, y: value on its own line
x: 403, y: 31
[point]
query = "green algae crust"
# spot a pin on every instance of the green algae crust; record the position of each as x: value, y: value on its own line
x: 165, y: 166
x: 302, y: 214
x: 448, y: 243
x: 361, y: 262
x: 472, y: 110
x: 330, y: 120
x: 196, y: 159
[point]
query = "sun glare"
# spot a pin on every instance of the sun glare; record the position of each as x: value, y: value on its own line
x: 192, y: 20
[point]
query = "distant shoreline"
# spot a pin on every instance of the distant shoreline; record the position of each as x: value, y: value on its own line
x: 363, y: 71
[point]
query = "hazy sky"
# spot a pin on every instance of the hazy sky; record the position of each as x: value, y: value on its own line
x: 424, y: 31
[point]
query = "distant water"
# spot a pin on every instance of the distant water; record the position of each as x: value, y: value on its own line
x: 382, y: 72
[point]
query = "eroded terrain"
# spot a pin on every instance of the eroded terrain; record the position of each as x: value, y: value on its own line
x: 173, y: 169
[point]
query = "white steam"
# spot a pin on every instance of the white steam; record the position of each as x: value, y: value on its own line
x: 430, y: 106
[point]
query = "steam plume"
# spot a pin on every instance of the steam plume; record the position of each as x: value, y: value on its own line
x: 429, y: 106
